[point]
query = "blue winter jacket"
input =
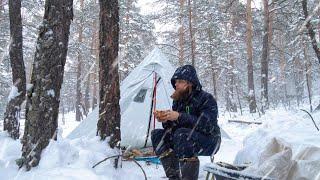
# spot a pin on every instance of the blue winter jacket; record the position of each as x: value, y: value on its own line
x: 199, y: 111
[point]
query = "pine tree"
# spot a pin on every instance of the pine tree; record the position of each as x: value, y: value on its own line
x: 265, y: 58
x: 43, y: 97
x: 136, y: 36
x: 109, y: 108
x: 251, y: 94
x: 11, y: 118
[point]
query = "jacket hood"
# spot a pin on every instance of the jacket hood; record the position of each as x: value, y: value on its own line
x: 188, y: 73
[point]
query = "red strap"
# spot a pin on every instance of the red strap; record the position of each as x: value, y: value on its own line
x: 154, y: 99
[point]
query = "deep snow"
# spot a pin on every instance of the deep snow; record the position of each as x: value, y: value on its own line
x: 73, y: 158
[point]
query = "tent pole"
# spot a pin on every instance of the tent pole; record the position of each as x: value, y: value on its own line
x: 152, y: 103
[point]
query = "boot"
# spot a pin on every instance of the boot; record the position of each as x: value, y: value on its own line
x: 189, y: 168
x: 170, y: 165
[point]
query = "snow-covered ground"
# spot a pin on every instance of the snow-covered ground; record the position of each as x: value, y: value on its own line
x: 73, y: 158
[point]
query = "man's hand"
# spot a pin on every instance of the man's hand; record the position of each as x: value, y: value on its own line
x: 171, y: 115
x: 168, y: 115
x: 159, y: 115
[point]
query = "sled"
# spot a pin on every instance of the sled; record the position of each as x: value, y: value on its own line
x: 225, y: 171
x: 143, y: 154
x: 148, y: 159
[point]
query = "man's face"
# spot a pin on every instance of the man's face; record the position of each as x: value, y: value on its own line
x: 181, y: 84
x: 183, y: 90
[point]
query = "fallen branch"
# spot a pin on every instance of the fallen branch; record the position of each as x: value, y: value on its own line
x: 105, y: 160
x: 115, y: 156
x: 311, y: 118
x: 245, y: 122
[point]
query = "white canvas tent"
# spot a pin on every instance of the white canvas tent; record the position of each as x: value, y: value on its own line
x: 137, y: 92
x: 136, y: 103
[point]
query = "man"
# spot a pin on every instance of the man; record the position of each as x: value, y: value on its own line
x: 190, y: 128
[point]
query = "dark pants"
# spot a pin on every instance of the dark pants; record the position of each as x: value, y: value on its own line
x: 183, y: 141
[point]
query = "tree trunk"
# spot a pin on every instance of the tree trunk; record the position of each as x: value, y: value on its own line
x: 298, y: 78
x: 109, y: 108
x: 94, y: 89
x: 270, y: 26
x: 318, y: 23
x: 2, y: 9
x: 238, y: 96
x: 87, y: 96
x: 311, y: 33
x: 212, y: 62
x: 192, y: 39
x: 265, y: 58
x: 283, y: 64
x: 78, y: 90
x: 62, y: 110
x: 298, y: 74
x: 11, y: 116
x: 181, y: 33
x: 232, y: 85
x: 95, y: 71
x: 91, y: 81
x: 308, y: 66
x: 251, y: 94
x: 79, y: 115
x: 47, y: 76
x: 270, y: 37
x: 231, y: 103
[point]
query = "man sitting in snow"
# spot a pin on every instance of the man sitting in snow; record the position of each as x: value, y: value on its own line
x: 190, y: 128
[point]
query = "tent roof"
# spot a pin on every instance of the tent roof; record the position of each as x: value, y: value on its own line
x: 156, y: 61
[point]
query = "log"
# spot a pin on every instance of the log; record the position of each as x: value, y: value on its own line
x: 244, y: 122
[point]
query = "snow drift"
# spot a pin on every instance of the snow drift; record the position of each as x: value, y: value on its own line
x: 283, y: 148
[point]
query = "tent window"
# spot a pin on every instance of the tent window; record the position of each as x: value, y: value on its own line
x: 140, y: 96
